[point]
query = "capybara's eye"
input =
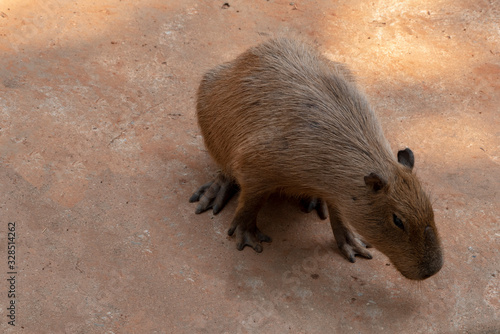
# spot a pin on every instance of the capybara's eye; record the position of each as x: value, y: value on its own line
x: 398, y: 222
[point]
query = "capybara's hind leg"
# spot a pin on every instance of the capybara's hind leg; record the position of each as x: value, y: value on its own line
x: 215, y: 194
x: 245, y: 222
x: 312, y: 203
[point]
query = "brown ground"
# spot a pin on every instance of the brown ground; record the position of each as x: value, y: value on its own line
x: 100, y: 151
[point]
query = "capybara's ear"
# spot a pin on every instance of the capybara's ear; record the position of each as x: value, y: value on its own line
x: 406, y: 158
x: 375, y: 182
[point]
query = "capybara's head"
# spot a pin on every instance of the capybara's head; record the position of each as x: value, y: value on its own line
x: 401, y: 221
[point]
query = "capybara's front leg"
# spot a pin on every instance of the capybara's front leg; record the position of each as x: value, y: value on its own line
x: 245, y: 222
x: 349, y: 244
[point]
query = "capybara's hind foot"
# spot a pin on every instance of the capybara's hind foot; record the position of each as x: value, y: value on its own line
x: 309, y: 204
x: 214, y: 194
x: 248, y: 237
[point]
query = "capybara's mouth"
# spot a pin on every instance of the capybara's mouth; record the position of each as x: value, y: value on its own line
x: 423, y: 271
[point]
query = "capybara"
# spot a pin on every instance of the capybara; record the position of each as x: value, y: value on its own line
x: 281, y: 118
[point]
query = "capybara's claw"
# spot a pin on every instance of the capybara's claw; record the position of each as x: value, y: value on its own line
x: 214, y: 194
x: 352, y: 247
x: 197, y: 195
x: 249, y: 237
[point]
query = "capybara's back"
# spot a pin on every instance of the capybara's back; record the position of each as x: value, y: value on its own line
x: 283, y: 102
x: 283, y: 118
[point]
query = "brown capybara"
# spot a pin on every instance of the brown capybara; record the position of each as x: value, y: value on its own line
x: 281, y: 118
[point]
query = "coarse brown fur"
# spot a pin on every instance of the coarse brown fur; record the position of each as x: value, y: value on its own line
x: 283, y: 118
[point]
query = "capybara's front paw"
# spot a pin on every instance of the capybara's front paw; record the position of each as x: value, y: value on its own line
x: 350, y: 245
x: 248, y: 237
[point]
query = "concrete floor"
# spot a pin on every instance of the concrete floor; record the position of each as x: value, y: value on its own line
x: 100, y: 151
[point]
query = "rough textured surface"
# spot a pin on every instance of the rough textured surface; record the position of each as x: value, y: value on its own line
x: 100, y: 151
